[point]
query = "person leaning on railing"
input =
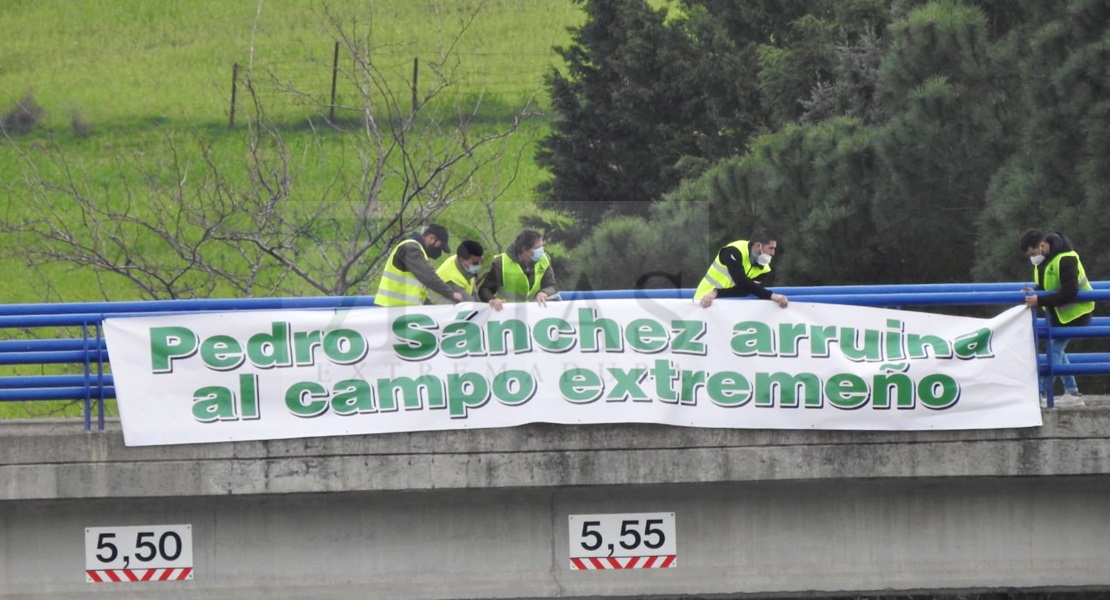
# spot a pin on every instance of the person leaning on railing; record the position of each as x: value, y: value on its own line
x: 1057, y: 269
x: 409, y: 275
x: 520, y: 274
x: 460, y: 273
x: 740, y: 269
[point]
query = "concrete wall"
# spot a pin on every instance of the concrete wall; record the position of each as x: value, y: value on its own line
x: 483, y: 514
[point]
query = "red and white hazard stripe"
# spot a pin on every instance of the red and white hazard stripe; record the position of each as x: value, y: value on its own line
x: 129, y: 575
x: 622, y: 562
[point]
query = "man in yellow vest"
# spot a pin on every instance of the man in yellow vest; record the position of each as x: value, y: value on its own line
x: 741, y: 268
x: 1057, y: 269
x: 522, y: 273
x: 461, y: 274
x: 409, y: 275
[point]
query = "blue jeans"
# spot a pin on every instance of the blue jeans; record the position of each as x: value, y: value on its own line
x: 1057, y: 357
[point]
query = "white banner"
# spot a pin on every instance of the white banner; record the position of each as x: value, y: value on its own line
x: 288, y: 374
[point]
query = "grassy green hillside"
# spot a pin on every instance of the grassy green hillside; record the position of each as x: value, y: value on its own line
x: 120, y: 62
x: 129, y: 89
x: 129, y: 74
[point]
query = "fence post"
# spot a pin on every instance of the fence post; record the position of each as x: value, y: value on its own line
x: 234, y: 89
x: 415, y: 73
x: 334, y: 75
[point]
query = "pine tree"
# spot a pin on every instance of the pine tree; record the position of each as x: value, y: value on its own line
x: 645, y: 100
x: 1059, y: 176
x: 949, y: 130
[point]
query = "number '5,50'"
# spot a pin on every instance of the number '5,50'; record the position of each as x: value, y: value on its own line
x: 169, y: 546
x: 630, y: 537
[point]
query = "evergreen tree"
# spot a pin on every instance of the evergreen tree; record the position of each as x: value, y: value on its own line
x: 632, y: 250
x: 1059, y: 176
x: 616, y: 112
x: 948, y: 132
x: 811, y: 183
x: 788, y: 73
x: 645, y: 100
x: 888, y: 201
x: 946, y: 127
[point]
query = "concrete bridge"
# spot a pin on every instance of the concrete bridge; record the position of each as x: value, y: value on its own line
x: 486, y: 513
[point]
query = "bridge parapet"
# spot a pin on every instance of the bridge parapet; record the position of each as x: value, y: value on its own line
x: 484, y: 513
x: 58, y: 460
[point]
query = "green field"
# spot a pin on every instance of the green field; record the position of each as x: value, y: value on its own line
x: 131, y: 91
x: 136, y: 73
x: 122, y: 63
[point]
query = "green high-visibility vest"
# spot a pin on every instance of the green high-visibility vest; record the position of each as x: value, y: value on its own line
x: 718, y: 277
x: 449, y: 271
x: 514, y: 283
x: 400, y: 288
x: 1068, y: 312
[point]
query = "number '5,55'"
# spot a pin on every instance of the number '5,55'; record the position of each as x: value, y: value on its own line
x: 630, y: 537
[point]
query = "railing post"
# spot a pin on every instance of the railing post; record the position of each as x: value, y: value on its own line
x: 85, y: 365
x: 1050, y: 389
x: 100, y: 374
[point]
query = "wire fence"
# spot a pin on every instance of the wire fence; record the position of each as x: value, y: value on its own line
x: 340, y: 83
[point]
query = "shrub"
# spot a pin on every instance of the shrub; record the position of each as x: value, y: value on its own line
x: 22, y: 117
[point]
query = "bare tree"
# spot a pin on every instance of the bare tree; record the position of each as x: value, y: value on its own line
x: 190, y: 223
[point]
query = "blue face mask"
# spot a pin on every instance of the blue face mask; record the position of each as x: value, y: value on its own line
x: 473, y: 269
x: 537, y: 253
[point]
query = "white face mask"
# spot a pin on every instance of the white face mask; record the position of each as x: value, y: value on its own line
x: 763, y: 258
x: 1036, y: 260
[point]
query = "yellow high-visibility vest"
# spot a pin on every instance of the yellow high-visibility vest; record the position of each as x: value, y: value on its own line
x: 1068, y: 312
x: 718, y: 277
x: 449, y: 271
x: 400, y: 288
x: 514, y: 283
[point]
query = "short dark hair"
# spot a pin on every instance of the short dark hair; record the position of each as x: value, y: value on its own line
x: 524, y: 241
x: 1029, y: 239
x: 764, y: 235
x: 468, y: 248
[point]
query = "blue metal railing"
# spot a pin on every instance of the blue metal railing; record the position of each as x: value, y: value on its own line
x: 86, y: 352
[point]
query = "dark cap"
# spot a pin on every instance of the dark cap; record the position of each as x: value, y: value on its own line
x: 441, y: 234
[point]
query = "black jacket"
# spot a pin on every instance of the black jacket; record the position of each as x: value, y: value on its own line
x: 1069, y: 279
x: 742, y: 284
